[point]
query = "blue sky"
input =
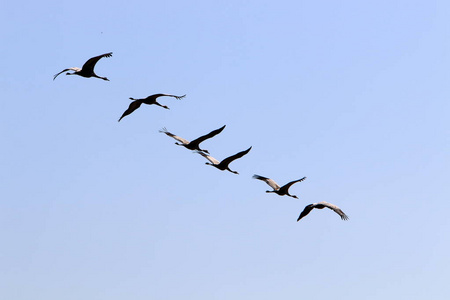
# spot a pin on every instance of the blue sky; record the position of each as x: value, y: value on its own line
x: 351, y: 94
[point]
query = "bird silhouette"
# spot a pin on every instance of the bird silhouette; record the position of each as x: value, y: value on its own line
x: 195, y: 144
x: 88, y: 68
x: 284, y: 190
x: 149, y: 100
x: 223, y: 165
x: 322, y: 205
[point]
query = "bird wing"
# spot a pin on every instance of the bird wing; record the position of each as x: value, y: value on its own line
x: 133, y: 106
x: 166, y: 95
x: 69, y: 69
x: 306, y: 210
x: 269, y: 181
x: 197, y: 141
x: 177, y: 97
x: 208, y: 157
x: 180, y: 139
x: 228, y: 160
x: 286, y: 187
x: 334, y: 208
x: 90, y: 64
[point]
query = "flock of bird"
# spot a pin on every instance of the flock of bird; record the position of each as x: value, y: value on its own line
x: 87, y: 70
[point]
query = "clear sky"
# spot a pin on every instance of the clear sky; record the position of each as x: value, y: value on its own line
x: 354, y: 95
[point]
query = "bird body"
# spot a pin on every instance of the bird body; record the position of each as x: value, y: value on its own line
x: 88, y: 68
x: 223, y: 165
x: 149, y: 100
x: 284, y: 190
x: 195, y: 144
x: 321, y: 205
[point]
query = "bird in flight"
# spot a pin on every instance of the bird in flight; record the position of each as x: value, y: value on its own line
x: 223, y: 165
x: 284, y: 190
x: 195, y: 144
x: 149, y: 100
x: 322, y: 205
x: 88, y: 68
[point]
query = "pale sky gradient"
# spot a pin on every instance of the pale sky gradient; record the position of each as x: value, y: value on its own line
x: 354, y: 95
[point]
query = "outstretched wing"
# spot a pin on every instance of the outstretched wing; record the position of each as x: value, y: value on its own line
x: 269, y: 181
x: 90, y: 64
x: 197, y: 141
x: 180, y: 139
x: 165, y: 95
x: 177, y: 97
x: 306, y: 211
x: 208, y: 157
x: 228, y: 160
x: 321, y: 205
x: 69, y: 69
x: 286, y: 187
x: 133, y: 106
x: 335, y: 209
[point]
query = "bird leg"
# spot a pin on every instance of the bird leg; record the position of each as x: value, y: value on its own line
x: 232, y: 171
x: 161, y: 105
